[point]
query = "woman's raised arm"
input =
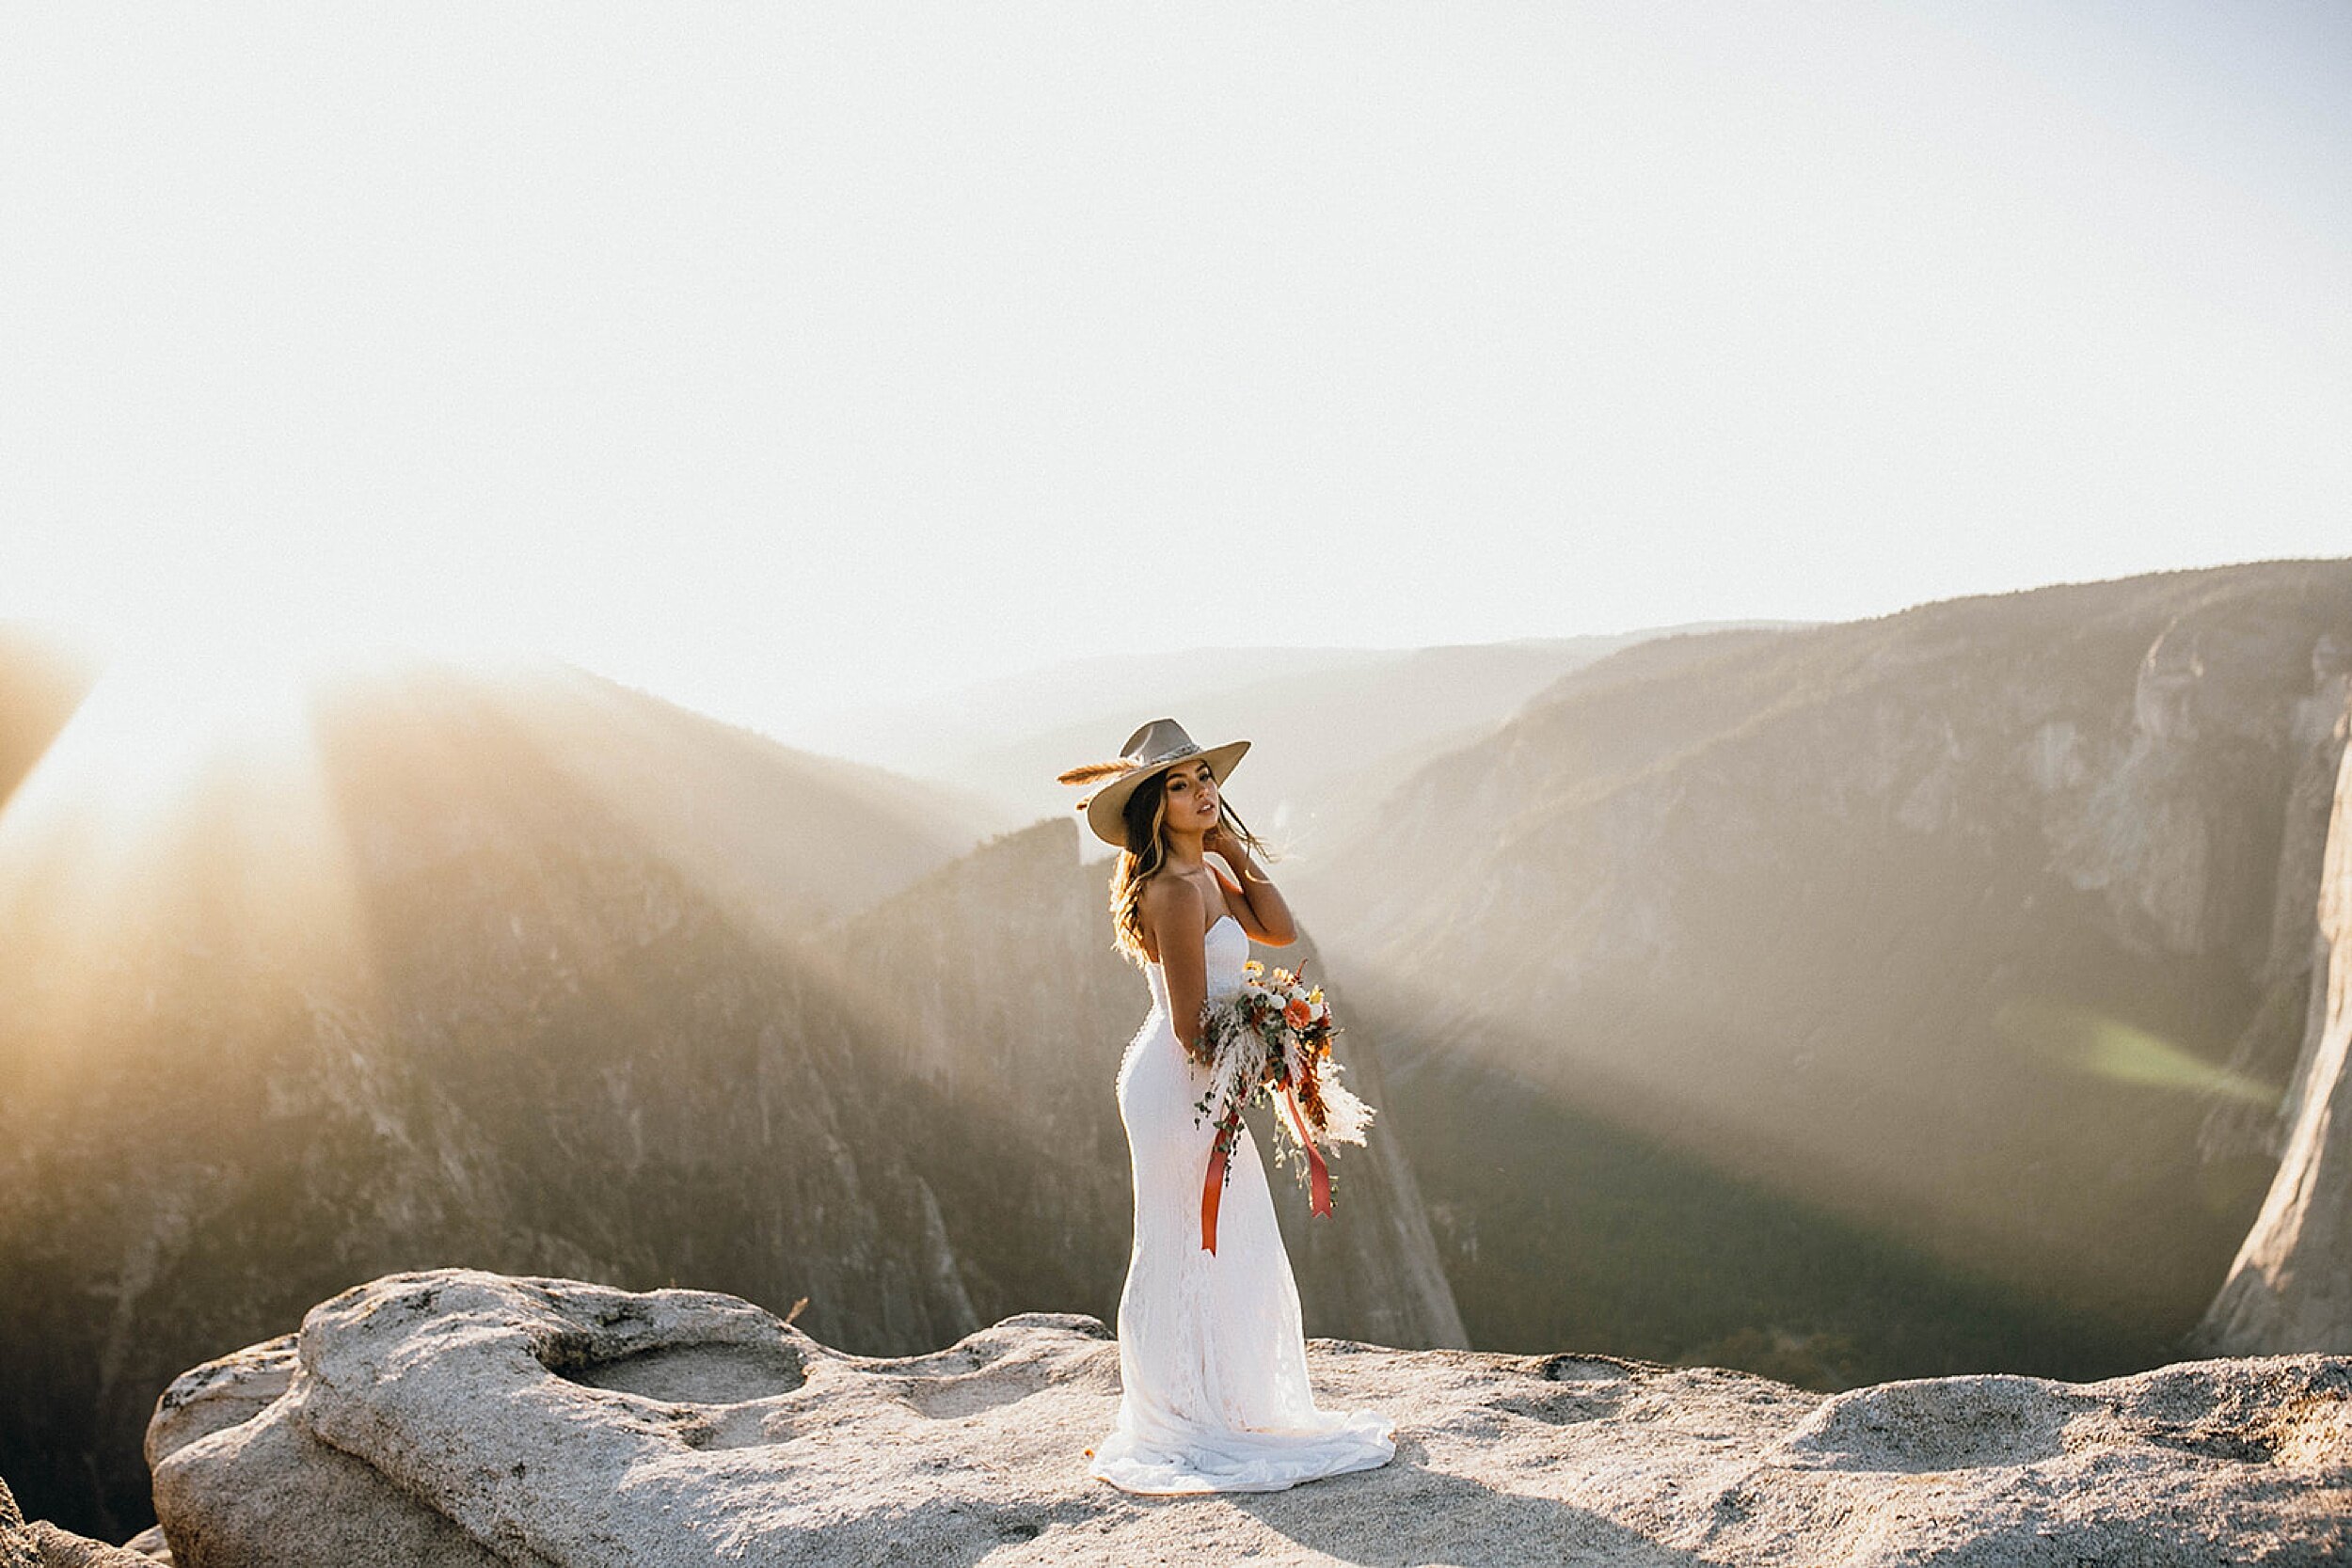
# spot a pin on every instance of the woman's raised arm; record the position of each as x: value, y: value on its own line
x: 1263, y: 913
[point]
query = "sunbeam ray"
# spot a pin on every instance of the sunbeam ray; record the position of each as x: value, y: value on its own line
x: 174, y: 840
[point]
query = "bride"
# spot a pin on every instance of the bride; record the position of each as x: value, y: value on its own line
x: 1213, y: 1394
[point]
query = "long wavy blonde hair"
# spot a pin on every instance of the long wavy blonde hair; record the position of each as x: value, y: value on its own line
x: 1146, y: 853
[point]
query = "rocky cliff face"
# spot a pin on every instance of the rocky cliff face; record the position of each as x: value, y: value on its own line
x: 561, y: 1009
x: 1980, y: 930
x: 2290, y: 1286
x: 460, y: 1418
x: 2291, y: 1008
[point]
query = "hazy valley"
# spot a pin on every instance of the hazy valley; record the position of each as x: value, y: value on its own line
x: 1927, y: 994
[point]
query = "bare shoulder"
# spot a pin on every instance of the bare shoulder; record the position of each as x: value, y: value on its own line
x: 1168, y: 901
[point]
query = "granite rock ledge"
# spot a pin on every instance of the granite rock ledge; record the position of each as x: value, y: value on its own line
x: 453, y: 1417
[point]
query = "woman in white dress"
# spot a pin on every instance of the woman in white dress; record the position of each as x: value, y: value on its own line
x: 1213, y: 1394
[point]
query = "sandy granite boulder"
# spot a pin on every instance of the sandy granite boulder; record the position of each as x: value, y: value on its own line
x: 456, y: 1416
x: 239, y: 1480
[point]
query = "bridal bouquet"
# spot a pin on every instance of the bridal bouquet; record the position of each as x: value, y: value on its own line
x: 1271, y: 1039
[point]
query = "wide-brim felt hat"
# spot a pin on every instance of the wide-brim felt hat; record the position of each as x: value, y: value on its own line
x: 1149, y: 753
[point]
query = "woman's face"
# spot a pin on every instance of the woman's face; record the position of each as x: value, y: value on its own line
x: 1191, y: 797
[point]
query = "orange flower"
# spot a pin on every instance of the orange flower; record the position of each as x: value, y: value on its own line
x: 1298, y: 1015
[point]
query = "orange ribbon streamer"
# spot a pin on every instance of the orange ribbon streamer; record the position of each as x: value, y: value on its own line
x: 1213, y: 1191
x: 1216, y: 1187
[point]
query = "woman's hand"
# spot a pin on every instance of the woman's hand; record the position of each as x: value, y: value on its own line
x: 1267, y: 918
x: 1217, y: 841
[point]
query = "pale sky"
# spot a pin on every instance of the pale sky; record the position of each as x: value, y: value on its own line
x: 773, y: 358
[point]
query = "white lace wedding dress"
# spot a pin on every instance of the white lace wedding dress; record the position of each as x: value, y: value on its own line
x: 1212, y: 1359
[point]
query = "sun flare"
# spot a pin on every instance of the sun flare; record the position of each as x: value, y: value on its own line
x: 187, y: 801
